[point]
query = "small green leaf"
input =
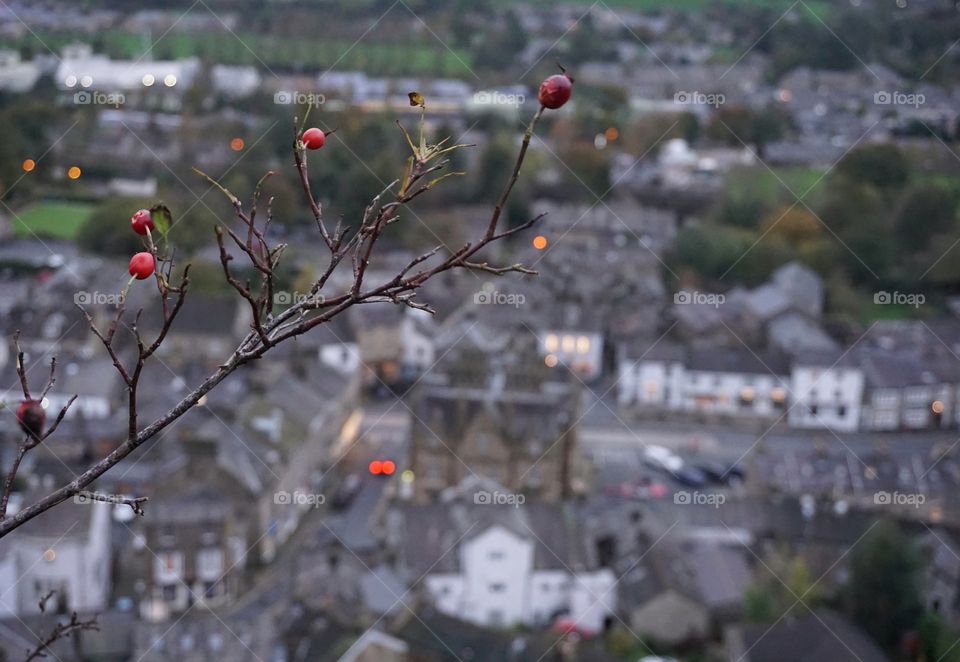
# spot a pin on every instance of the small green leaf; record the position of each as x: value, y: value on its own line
x: 162, y: 218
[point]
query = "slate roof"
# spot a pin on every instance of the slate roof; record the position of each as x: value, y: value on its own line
x: 797, y: 333
x: 889, y: 369
x: 811, y: 638
x: 736, y: 360
x: 429, y: 535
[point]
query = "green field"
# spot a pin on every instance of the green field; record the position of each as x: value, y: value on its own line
x: 761, y: 182
x: 382, y: 58
x: 61, y: 220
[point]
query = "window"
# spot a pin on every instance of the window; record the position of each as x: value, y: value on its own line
x: 167, y: 536
x: 496, y: 555
x: 779, y: 397
x: 168, y: 565
x: 210, y: 563
x: 842, y: 411
x: 813, y: 410
x: 885, y: 398
x: 583, y: 344
x: 917, y: 395
x: 499, y: 587
x: 170, y: 593
x: 551, y: 342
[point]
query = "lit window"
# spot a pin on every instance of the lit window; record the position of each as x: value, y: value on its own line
x: 569, y: 343
x: 583, y: 344
x: 551, y: 342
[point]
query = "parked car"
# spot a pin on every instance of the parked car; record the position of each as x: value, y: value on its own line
x: 662, y: 458
x: 723, y: 473
x: 690, y: 476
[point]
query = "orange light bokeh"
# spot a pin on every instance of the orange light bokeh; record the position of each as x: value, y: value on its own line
x: 389, y: 467
x: 236, y: 144
x: 29, y: 165
x: 539, y: 242
x: 73, y: 172
x: 376, y: 467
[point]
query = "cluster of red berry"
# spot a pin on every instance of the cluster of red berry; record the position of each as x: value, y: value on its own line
x: 142, y: 264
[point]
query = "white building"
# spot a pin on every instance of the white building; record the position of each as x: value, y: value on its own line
x: 581, y: 351
x: 828, y: 393
x: 66, y: 550
x: 235, y: 81
x: 16, y: 75
x: 83, y: 72
x: 395, y: 344
x: 724, y: 381
x: 907, y: 391
x: 524, y: 564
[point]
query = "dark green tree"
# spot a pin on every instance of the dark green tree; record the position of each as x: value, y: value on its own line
x: 883, y: 593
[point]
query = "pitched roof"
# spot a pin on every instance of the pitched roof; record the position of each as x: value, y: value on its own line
x: 811, y: 638
x: 429, y: 535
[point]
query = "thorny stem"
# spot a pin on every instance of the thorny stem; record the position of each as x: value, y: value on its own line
x: 269, y: 328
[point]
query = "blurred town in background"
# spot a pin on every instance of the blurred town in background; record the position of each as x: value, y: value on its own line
x: 721, y: 424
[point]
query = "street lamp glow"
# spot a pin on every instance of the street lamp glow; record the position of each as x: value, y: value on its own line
x: 148, y: 80
x: 170, y: 80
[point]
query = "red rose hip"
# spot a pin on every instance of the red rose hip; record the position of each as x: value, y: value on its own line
x: 141, y: 265
x: 31, y: 417
x: 314, y: 138
x: 555, y: 91
x: 142, y: 221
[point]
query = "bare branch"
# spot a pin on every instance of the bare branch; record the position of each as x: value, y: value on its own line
x: 270, y: 327
x: 61, y: 630
x: 133, y: 502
